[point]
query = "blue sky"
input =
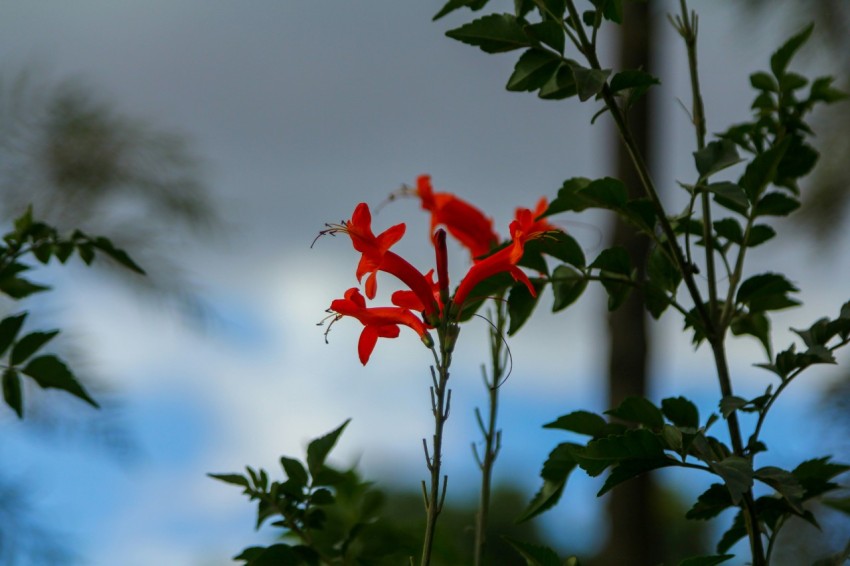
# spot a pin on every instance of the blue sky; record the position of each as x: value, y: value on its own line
x: 299, y: 111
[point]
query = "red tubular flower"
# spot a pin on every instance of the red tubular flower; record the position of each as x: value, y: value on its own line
x: 463, y: 221
x: 378, y: 322
x: 526, y: 226
x: 442, y: 264
x: 378, y: 257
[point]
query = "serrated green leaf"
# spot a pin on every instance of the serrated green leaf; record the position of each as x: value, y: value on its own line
x: 780, y: 59
x: 767, y: 291
x: 737, y: 474
x: 681, y: 412
x: 754, y: 324
x: 715, y: 156
x: 12, y: 391
x: 534, y: 555
x: 839, y: 504
x: 318, y: 449
x: 730, y: 229
x: 822, y: 91
x: 784, y: 483
x: 50, y: 372
x: 495, y: 33
x: 761, y: 171
x: 558, y: 245
x: 274, y: 555
x: 638, y: 410
x: 815, y: 475
x: 639, y: 81
x: 555, y: 472
x: 548, y: 32
x: 628, y: 469
x: 569, y: 197
x: 710, y: 503
x: 736, y: 532
x: 533, y: 69
x: 729, y: 194
x: 567, y: 285
x: 560, y: 85
x: 29, y: 345
x: 613, y: 260
x: 589, y: 82
x: 9, y: 328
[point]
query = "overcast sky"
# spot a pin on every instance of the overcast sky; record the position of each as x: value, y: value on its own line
x: 300, y: 110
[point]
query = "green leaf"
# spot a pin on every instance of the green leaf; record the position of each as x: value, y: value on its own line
x: 117, y: 254
x: 533, y: 554
x: 661, y: 271
x: 453, y: 5
x: 274, y: 555
x: 585, y: 422
x: 12, y: 391
x: 559, y: 245
x: 780, y: 59
x: 729, y: 194
x: 613, y: 260
x: 50, y: 372
x: 547, y: 32
x: 839, y: 504
x: 736, y: 532
x: 589, y: 82
x: 18, y: 288
x: 716, y: 156
x: 561, y: 84
x: 763, y: 81
x: 706, y: 560
x: 234, y: 479
x: 711, y: 503
x: 569, y: 197
x: 555, y: 472
x: 639, y: 444
x: 822, y: 91
x: 759, y: 234
x: 318, y: 449
x: 815, y: 475
x: 785, y: 484
x: 9, y: 328
x: 295, y: 471
x: 768, y: 291
x: 533, y: 69
x: 632, y: 79
x: 613, y: 264
x: 607, y: 193
x: 521, y: 304
x: 638, y: 410
x: 681, y: 412
x: 737, y: 473
x: 495, y: 33
x: 730, y: 229
x: 29, y: 345
x: 754, y: 324
x: 555, y: 8
x: 762, y: 170
x: 776, y: 204
x: 567, y: 285
x: 632, y: 468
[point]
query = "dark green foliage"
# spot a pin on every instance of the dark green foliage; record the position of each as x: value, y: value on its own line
x: 31, y: 237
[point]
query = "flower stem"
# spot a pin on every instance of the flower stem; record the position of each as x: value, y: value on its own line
x: 492, y: 436
x: 441, y: 397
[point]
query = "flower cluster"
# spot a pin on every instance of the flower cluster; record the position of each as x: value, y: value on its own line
x: 426, y: 302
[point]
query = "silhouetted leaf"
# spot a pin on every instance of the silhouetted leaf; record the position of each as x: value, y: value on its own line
x: 50, y: 372
x: 12, y: 391
x: 495, y: 33
x: 29, y: 345
x: 318, y: 449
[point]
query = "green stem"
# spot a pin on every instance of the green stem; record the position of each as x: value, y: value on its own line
x: 492, y: 436
x: 441, y: 397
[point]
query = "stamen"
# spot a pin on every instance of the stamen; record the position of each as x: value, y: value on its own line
x: 331, y: 230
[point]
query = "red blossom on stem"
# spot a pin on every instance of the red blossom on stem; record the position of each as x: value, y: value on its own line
x: 376, y: 256
x: 378, y: 322
x: 464, y: 222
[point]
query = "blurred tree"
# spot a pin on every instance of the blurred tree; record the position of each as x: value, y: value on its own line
x: 634, y: 537
x: 82, y: 164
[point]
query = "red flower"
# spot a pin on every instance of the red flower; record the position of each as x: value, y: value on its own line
x: 463, y: 221
x: 378, y: 322
x: 378, y: 257
x: 526, y: 226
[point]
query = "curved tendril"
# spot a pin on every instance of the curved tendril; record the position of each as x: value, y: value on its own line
x: 504, y: 340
